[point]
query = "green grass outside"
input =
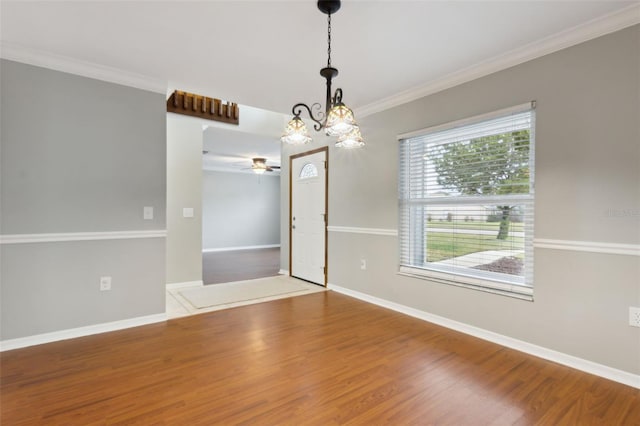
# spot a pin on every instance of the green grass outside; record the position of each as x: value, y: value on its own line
x: 441, y: 246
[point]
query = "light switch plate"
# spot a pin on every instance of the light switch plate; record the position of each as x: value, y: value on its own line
x: 634, y: 316
x: 105, y: 283
x: 147, y: 213
x: 187, y: 212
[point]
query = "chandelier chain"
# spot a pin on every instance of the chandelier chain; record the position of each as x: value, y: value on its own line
x: 336, y: 119
x: 329, y: 40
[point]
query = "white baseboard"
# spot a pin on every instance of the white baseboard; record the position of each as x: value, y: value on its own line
x: 186, y: 284
x: 213, y: 250
x: 72, y: 333
x: 519, y: 345
x: 283, y: 272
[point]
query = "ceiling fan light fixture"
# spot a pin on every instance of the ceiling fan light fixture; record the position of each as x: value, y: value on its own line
x: 353, y: 139
x: 259, y: 166
x: 296, y: 132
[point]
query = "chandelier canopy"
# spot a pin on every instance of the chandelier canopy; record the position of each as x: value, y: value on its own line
x: 337, y: 119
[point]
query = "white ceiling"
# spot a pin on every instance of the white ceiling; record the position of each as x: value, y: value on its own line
x: 267, y: 54
x: 231, y: 150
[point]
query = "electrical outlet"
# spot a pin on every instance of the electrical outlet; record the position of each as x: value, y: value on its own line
x: 105, y: 283
x: 634, y: 316
x: 363, y: 264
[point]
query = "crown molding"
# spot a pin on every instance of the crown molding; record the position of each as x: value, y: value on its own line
x: 598, y: 27
x: 220, y: 169
x: 13, y: 52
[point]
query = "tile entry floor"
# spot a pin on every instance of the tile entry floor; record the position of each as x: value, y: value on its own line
x: 232, y: 266
x: 177, y: 306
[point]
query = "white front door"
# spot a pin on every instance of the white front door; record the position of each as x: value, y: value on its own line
x: 308, y: 216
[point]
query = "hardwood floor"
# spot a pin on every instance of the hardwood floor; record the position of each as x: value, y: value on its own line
x: 320, y: 359
x: 239, y: 265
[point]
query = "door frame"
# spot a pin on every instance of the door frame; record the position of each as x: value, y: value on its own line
x: 324, y: 149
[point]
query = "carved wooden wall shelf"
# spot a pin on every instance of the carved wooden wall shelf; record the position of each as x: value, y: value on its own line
x: 203, y: 107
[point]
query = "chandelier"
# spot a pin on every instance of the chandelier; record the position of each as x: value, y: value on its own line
x: 337, y: 119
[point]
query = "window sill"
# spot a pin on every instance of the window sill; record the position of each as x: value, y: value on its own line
x: 501, y: 288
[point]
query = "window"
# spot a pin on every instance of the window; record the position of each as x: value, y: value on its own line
x: 466, y: 192
x: 308, y: 171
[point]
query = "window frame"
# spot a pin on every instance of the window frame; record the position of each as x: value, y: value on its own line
x: 478, y: 280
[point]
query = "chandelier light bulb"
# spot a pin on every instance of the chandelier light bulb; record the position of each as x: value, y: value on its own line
x: 340, y: 120
x: 353, y: 139
x: 296, y: 132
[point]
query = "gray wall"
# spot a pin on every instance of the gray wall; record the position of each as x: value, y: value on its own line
x: 184, y: 189
x: 240, y: 209
x: 78, y: 155
x: 587, y: 162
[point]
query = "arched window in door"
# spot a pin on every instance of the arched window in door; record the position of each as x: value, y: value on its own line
x: 308, y: 171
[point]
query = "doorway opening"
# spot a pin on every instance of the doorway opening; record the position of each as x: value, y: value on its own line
x: 240, y: 205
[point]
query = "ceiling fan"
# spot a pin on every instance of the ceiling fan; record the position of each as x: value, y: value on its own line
x: 259, y: 166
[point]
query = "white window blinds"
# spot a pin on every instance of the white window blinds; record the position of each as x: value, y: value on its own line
x: 466, y: 194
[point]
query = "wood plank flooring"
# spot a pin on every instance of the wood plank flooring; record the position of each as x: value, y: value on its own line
x: 239, y: 265
x: 320, y: 359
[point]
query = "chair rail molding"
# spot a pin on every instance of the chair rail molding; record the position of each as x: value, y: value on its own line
x: 543, y: 243
x: 80, y: 236
x: 358, y: 230
x: 588, y: 246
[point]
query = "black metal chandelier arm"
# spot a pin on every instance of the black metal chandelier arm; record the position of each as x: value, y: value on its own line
x: 337, y: 97
x: 297, y: 110
x: 336, y: 118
